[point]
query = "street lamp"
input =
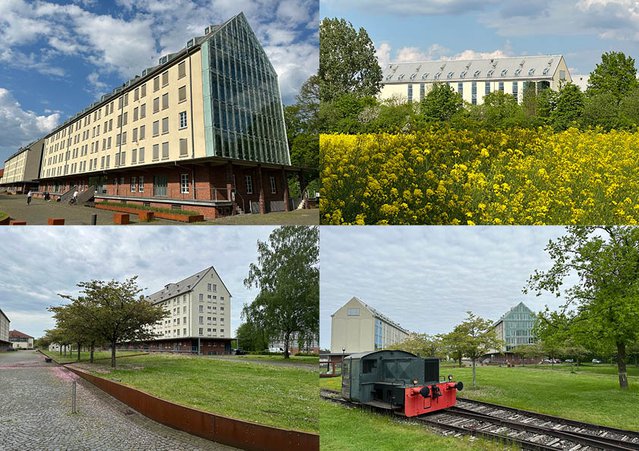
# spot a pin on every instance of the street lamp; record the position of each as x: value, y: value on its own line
x: 342, y: 367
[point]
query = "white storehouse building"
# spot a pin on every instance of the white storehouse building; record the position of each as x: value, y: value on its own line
x: 475, y: 78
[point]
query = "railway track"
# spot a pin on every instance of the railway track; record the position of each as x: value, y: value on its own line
x: 526, y: 429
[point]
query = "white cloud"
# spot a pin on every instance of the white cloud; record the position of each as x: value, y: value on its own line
x: 20, y: 127
x: 414, y: 7
x: 433, y: 53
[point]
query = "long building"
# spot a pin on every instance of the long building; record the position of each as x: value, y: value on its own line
x: 203, y: 130
x: 475, y: 78
x: 198, y: 316
x: 5, y: 324
x: 20, y: 340
x: 515, y: 327
x: 358, y: 327
x: 22, y: 169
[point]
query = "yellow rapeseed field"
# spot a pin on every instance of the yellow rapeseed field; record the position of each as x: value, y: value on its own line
x: 515, y: 176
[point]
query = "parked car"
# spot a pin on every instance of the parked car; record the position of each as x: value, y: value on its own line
x: 276, y: 350
x: 239, y: 351
x: 569, y: 361
x: 596, y: 361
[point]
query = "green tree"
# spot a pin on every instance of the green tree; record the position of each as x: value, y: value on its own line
x: 342, y: 115
x: 422, y: 345
x: 478, y: 338
x: 287, y: 274
x: 600, y: 111
x: 501, y: 110
x: 454, y: 344
x: 605, y: 300
x: 616, y: 75
x: 441, y: 103
x: 569, y: 107
x: 347, y: 61
x: 250, y: 337
x: 629, y: 110
x: 114, y: 313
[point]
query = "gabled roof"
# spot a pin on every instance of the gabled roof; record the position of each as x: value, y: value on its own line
x: 183, y: 286
x: 18, y: 334
x: 524, y: 67
x: 376, y: 314
x: 511, y: 311
x: 3, y: 314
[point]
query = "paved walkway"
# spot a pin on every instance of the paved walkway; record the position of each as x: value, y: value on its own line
x: 40, y: 210
x: 35, y: 413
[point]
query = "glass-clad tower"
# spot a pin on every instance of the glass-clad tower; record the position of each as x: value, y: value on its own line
x: 243, y: 114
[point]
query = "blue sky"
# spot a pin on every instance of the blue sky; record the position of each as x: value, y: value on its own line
x: 427, y: 278
x: 46, y: 261
x: 59, y: 56
x: 413, y: 30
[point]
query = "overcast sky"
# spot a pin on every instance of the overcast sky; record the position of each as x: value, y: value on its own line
x: 59, y: 56
x: 40, y: 262
x: 414, y: 30
x: 427, y: 278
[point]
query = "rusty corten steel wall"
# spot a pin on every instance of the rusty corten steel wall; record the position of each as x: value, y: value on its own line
x: 238, y: 433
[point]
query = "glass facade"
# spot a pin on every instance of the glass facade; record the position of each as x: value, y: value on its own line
x: 242, y: 98
x: 378, y: 334
x: 518, y: 326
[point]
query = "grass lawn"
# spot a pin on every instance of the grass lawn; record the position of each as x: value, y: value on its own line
x: 274, y: 395
x: 85, y: 356
x: 280, y: 358
x: 296, y: 217
x: 590, y: 394
x: 354, y: 429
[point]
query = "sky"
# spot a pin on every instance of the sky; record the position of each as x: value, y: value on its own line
x: 42, y: 262
x: 417, y: 30
x: 59, y: 56
x: 427, y: 278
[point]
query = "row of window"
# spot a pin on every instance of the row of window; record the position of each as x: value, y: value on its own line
x: 123, y: 101
x: 460, y: 90
x: 176, y: 332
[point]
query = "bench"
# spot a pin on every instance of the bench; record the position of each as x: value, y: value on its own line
x: 55, y: 221
x: 16, y: 222
x: 145, y: 216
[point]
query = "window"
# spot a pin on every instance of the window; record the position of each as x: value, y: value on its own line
x: 143, y: 111
x: 184, y: 184
x: 201, y: 331
x: 165, y: 125
x: 165, y: 151
x: 122, y: 159
x: 183, y: 123
x: 183, y: 147
x: 201, y: 309
x: 516, y: 90
x: 156, y: 105
x: 273, y: 185
x: 119, y: 123
x: 134, y: 156
x: 124, y: 138
x: 143, y: 90
x: 156, y: 152
x: 422, y: 91
x: 134, y: 184
x: 501, y: 86
x: 165, y: 78
x: 136, y: 94
x: 208, y: 287
x: 135, y: 135
x: 249, y: 184
x: 165, y: 101
x: 353, y: 312
x: 182, y: 94
x: 156, y: 128
x: 487, y: 88
x: 182, y: 69
x: 201, y: 297
x: 135, y: 114
x: 118, y: 140
x: 460, y: 89
x: 410, y: 93
x: 562, y: 74
x: 201, y: 320
x: 156, y: 83
x: 141, y: 178
x: 474, y: 93
x: 142, y: 130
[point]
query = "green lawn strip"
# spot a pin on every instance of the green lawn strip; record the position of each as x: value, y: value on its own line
x: 346, y: 428
x: 296, y: 217
x: 85, y: 356
x: 3, y: 215
x: 273, y: 395
x: 142, y: 207
x: 280, y: 358
x: 591, y: 395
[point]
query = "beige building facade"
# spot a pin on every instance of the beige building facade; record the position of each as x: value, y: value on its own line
x: 474, y: 79
x: 22, y: 169
x: 202, y: 131
x: 20, y: 340
x: 357, y: 327
x: 5, y: 325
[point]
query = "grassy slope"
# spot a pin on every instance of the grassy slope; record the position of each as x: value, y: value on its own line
x: 591, y: 394
x: 279, y: 395
x: 84, y: 356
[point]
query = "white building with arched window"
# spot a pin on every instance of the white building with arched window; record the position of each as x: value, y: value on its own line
x: 474, y: 79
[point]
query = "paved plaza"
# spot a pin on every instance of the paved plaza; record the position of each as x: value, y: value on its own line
x: 36, y: 413
x: 40, y: 210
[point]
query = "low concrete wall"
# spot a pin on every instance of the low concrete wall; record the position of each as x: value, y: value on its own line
x: 238, y: 433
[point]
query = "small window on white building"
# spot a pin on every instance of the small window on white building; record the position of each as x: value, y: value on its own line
x: 353, y: 312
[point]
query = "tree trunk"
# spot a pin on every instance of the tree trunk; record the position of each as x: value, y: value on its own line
x: 460, y: 362
x: 92, y: 348
x: 474, y: 374
x: 621, y: 365
x: 113, y: 354
x: 287, y: 339
x: 78, y: 352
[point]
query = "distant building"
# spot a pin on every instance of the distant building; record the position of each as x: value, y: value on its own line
x: 515, y: 327
x: 357, y: 327
x: 21, y: 170
x: 581, y: 81
x: 199, y: 319
x: 5, y: 344
x: 476, y: 78
x: 310, y: 345
x: 20, y: 340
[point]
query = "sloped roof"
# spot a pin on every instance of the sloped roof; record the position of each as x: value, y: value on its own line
x: 377, y: 314
x: 524, y: 67
x: 511, y: 310
x: 183, y: 286
x: 3, y: 314
x: 18, y: 334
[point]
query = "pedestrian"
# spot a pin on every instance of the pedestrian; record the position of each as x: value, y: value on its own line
x: 29, y: 194
x: 75, y: 197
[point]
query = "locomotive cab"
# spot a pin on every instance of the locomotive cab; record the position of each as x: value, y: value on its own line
x: 396, y: 380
